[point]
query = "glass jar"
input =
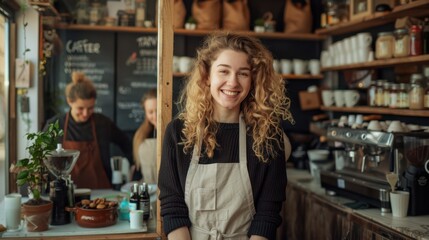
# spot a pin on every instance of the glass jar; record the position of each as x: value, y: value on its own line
x: 402, y: 43
x: 379, y: 93
x: 416, y: 92
x: 386, y: 94
x: 394, y: 96
x: 403, y: 96
x: 95, y: 13
x: 384, y: 45
x: 415, y: 40
x: 140, y: 12
x: 82, y: 12
x: 426, y: 98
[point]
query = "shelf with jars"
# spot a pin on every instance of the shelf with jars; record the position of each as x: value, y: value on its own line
x: 284, y: 76
x: 378, y: 110
x: 382, y: 63
x: 418, y: 8
x: 184, y: 32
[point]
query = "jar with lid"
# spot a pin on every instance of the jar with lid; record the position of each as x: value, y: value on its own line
x: 426, y: 98
x: 394, y: 96
x: 416, y: 92
x: 371, y: 93
x: 403, y: 96
x: 415, y: 40
x: 384, y: 45
x: 140, y: 13
x: 82, y: 12
x: 402, y: 43
x: 95, y: 13
x: 386, y: 94
x: 379, y: 93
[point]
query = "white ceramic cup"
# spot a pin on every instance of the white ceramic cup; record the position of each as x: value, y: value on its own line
x: 299, y: 66
x: 359, y: 119
x: 176, y: 64
x: 328, y: 98
x: 399, y: 201
x: 374, y: 125
x: 314, y: 66
x: 351, y: 97
x: 276, y: 65
x: 362, y: 54
x: 12, y: 211
x: 185, y: 64
x: 364, y: 39
x: 339, y: 98
x: 395, y: 126
x: 136, y: 219
x: 286, y: 66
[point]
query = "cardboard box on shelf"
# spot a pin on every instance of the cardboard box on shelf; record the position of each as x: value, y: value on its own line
x: 309, y: 100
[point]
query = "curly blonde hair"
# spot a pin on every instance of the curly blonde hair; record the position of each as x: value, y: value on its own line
x: 263, y: 109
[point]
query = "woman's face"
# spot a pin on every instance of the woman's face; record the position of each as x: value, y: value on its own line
x: 230, y: 81
x: 82, y: 109
x: 150, y: 110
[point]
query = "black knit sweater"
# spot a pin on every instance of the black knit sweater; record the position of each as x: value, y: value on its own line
x: 268, y: 180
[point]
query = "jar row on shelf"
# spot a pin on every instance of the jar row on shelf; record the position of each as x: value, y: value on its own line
x: 415, y: 95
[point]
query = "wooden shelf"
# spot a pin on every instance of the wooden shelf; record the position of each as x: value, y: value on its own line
x: 375, y: 110
x: 284, y: 76
x: 45, y: 9
x: 184, y: 32
x: 381, y: 63
x: 417, y: 8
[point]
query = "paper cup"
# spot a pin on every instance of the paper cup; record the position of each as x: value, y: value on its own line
x: 399, y: 202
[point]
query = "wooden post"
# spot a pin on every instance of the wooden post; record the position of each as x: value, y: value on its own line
x: 165, y: 80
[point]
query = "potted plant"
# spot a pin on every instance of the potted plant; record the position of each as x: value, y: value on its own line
x: 191, y: 23
x: 33, y: 173
x: 259, y: 25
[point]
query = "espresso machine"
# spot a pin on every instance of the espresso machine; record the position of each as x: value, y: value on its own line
x: 60, y: 163
x: 364, y: 157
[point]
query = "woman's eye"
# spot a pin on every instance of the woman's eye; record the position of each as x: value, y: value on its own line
x: 243, y: 74
x: 223, y: 71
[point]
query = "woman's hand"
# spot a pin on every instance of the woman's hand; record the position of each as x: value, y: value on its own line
x: 180, y: 234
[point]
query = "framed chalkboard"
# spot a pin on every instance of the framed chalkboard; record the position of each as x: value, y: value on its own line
x: 93, y: 54
x: 136, y: 68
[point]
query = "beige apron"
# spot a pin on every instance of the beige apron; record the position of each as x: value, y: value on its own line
x: 219, y: 196
x: 147, y: 156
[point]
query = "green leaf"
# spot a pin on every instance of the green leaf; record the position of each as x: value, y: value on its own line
x: 23, y: 174
x: 23, y: 162
x: 21, y: 182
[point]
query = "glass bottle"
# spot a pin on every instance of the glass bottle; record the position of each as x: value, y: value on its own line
x: 144, y: 200
x: 394, y: 96
x: 379, y: 93
x: 416, y: 92
x: 415, y: 40
x: 371, y: 93
x: 386, y: 94
x: 134, y: 197
x: 140, y: 12
x: 426, y: 36
x: 403, y: 96
x: 402, y: 43
x: 95, y: 13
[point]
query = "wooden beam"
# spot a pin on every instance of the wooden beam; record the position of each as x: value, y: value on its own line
x: 165, y: 81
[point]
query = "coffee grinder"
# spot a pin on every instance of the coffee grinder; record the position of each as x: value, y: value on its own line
x: 60, y: 162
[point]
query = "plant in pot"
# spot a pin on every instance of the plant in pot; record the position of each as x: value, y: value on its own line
x: 33, y: 173
x: 191, y: 23
x: 259, y: 25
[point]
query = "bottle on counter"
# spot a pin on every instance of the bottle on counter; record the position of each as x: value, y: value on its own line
x: 144, y: 200
x: 134, y: 197
x: 124, y: 209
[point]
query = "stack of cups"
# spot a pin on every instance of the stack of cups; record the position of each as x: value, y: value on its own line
x: 12, y: 211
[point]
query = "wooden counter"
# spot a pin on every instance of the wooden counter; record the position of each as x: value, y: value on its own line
x: 311, y: 214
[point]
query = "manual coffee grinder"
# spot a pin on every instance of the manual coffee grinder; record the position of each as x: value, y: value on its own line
x: 60, y: 162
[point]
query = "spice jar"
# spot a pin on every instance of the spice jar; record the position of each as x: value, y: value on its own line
x: 416, y: 92
x: 371, y: 93
x: 140, y: 12
x: 394, y: 96
x: 403, y: 96
x: 415, y: 40
x: 95, y: 13
x: 386, y: 94
x: 402, y: 43
x: 384, y: 45
x: 379, y: 93
x: 82, y: 16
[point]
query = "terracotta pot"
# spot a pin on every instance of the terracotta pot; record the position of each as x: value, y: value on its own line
x: 37, y: 216
x: 94, y: 218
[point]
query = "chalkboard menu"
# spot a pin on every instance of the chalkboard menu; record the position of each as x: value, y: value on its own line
x: 93, y: 54
x: 136, y: 67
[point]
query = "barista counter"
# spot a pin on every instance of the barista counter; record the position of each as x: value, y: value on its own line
x: 121, y: 230
x: 372, y: 223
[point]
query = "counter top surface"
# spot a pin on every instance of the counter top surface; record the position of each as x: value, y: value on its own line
x: 121, y: 227
x: 413, y: 226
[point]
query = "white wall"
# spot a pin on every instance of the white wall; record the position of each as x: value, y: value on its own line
x: 32, y: 31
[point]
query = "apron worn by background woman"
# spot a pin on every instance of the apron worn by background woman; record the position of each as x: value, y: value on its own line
x: 88, y: 171
x: 219, y: 196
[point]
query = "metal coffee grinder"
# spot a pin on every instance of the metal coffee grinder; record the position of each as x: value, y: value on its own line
x: 60, y: 162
